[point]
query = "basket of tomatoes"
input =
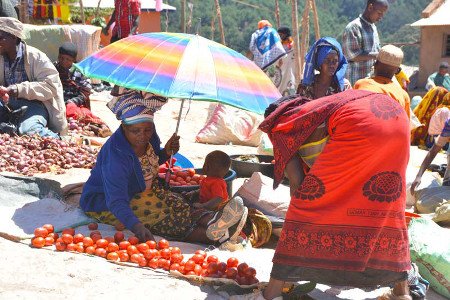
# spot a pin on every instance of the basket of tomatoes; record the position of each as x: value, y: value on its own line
x: 185, y: 180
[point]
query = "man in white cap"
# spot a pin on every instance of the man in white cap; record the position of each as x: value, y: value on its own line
x: 387, y: 64
x: 28, y: 78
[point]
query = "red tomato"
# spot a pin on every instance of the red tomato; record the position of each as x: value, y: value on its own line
x: 174, y: 267
x: 78, y: 238
x: 162, y: 244
x: 198, y: 270
x: 189, y: 265
x: 49, y: 241
x: 151, y: 244
x: 241, y: 269
x: 175, y: 250
x: 90, y: 250
x: 123, y: 245
x: 142, y: 247
x: 93, y: 226
x: 132, y: 250
x: 181, y: 174
x: 250, y: 272
x: 176, y: 258
x: 165, y: 253
x: 72, y: 246
x: 133, y: 240
x: 70, y: 231
x: 142, y: 262
x: 134, y: 257
x: 67, y: 238
x: 60, y: 246
x: 232, y: 262
x: 191, y: 171
x: 198, y: 258
x: 54, y: 235
x: 87, y: 241
x: 231, y: 273
x: 110, y: 239
x: 49, y: 228
x: 112, y: 247
x: 212, y: 268
x: 99, y: 252
x: 164, y: 264
x: 201, y: 252
x: 119, y: 236
x: 123, y: 256
x: 38, y: 242
x: 153, y: 263
x: 193, y: 182
x: 95, y: 232
x: 190, y: 273
x: 41, y: 232
x: 212, y: 258
x: 114, y: 256
x: 222, y: 267
x: 101, y: 243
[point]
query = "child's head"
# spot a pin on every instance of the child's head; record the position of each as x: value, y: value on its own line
x: 217, y: 164
x: 67, y: 54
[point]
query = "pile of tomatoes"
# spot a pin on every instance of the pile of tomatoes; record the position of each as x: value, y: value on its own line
x: 181, y: 177
x: 156, y: 255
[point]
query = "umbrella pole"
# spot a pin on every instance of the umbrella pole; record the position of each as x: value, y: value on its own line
x: 169, y: 170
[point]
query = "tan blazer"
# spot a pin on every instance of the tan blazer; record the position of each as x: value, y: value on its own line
x: 43, y: 85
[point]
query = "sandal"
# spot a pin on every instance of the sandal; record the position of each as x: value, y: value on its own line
x: 230, y: 215
x: 391, y: 296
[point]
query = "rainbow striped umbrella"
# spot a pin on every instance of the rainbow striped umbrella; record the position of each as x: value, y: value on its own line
x: 186, y: 66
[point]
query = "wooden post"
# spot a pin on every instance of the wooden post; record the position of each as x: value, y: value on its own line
x: 277, y: 13
x: 182, y: 16
x: 97, y: 11
x: 23, y: 11
x: 295, y: 35
x: 83, y: 19
x: 219, y: 18
x: 316, y: 19
x: 213, y: 22
x: 305, y: 35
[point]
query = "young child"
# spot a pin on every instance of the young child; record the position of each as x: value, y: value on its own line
x: 213, y: 189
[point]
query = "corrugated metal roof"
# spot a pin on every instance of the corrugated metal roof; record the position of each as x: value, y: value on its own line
x: 439, y: 18
x: 145, y: 4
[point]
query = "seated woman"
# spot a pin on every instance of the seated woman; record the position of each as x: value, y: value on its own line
x: 345, y: 224
x: 77, y: 89
x: 440, y: 142
x: 435, y: 98
x: 326, y: 57
x: 123, y: 184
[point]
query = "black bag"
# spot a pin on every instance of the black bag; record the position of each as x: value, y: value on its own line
x: 14, y: 116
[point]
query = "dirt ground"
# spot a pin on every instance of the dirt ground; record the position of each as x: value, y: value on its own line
x: 28, y: 273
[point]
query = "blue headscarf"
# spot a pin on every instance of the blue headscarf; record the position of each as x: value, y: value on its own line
x: 132, y: 107
x: 317, y: 54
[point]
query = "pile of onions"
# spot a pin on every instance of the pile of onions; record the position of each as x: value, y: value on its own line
x: 29, y: 155
x: 77, y: 128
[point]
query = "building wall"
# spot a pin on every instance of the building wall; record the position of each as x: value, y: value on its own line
x: 149, y: 21
x: 431, y: 51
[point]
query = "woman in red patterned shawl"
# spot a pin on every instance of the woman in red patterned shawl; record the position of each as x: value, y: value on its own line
x: 345, y: 224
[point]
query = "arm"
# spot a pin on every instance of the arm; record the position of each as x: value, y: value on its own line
x: 430, y: 82
x: 44, y: 82
x: 111, y: 20
x: 135, y: 25
x: 172, y: 146
x: 294, y: 172
x: 135, y: 10
x: 425, y: 164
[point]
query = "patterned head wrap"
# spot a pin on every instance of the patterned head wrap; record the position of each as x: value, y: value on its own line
x: 132, y: 107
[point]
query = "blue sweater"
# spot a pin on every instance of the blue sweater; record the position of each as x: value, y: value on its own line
x: 116, y: 178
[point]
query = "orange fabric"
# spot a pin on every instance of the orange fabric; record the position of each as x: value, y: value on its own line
x: 348, y: 214
x: 212, y: 187
x: 82, y: 114
x: 383, y: 85
x: 435, y: 98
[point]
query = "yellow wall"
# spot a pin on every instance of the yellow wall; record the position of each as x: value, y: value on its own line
x: 431, y: 51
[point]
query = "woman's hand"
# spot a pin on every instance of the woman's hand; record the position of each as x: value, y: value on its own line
x: 142, y: 233
x: 415, y: 184
x: 173, y: 145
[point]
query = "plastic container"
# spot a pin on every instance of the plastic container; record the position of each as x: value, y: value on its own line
x: 246, y: 169
x: 229, y: 177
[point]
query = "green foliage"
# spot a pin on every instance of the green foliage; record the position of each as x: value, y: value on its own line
x: 240, y: 20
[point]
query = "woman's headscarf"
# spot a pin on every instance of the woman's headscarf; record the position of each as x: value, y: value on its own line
x: 132, y: 107
x: 263, y: 23
x: 317, y: 54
